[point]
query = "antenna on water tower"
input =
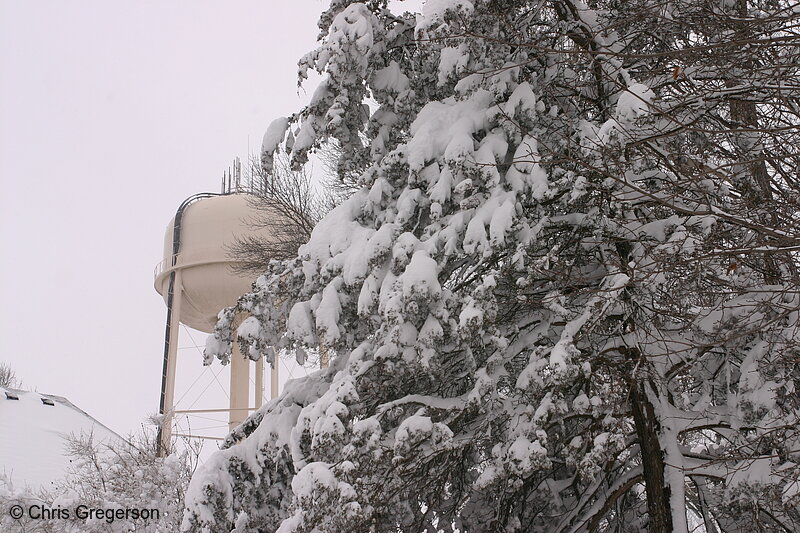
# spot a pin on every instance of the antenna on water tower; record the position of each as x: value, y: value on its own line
x: 197, y: 281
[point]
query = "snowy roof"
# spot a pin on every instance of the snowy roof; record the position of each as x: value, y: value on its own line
x: 32, y: 431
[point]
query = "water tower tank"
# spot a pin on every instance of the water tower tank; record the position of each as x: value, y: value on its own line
x: 208, y: 227
x: 197, y: 281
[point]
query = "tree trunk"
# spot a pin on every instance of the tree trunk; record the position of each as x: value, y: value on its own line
x: 656, y: 489
x: 757, y: 190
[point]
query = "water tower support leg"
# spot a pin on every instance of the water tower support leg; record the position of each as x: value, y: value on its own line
x: 259, y: 382
x: 172, y: 361
x: 240, y: 387
x: 273, y: 382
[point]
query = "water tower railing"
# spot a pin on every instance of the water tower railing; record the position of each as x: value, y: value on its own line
x: 182, y: 260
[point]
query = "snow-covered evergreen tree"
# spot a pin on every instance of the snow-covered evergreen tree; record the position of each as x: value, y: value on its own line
x: 565, y: 297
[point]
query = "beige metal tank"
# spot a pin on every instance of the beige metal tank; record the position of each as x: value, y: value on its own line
x: 208, y: 227
x: 203, y: 284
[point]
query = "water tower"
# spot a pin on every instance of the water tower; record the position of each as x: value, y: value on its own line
x: 197, y: 280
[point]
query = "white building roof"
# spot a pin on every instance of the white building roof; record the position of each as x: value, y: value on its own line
x: 32, y: 431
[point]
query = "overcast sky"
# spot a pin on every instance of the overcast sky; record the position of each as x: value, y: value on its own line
x: 112, y: 113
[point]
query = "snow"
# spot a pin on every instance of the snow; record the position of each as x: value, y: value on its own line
x: 312, y: 478
x: 241, y: 523
x: 564, y: 349
x: 250, y: 329
x: 431, y: 332
x: 390, y: 78
x: 419, y: 279
x: 755, y: 472
x: 300, y: 324
x: 353, y: 25
x: 452, y: 61
x: 526, y: 171
x: 674, y: 474
x: 792, y: 489
x: 581, y: 404
x: 32, y: 435
x: 446, y: 128
x: 634, y: 102
x: 522, y: 98
x: 412, y: 430
x: 433, y: 12
x: 524, y: 456
x: 329, y: 310
x: 501, y: 222
x: 275, y: 133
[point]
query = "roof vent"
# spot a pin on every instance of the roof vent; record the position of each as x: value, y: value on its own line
x: 10, y: 396
x: 47, y: 401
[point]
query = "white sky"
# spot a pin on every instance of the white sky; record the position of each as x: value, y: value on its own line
x: 112, y: 113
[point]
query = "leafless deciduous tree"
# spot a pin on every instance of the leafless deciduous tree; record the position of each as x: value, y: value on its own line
x: 113, y: 475
x: 8, y: 378
x: 289, y: 204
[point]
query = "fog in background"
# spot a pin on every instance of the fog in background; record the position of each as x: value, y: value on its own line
x: 111, y: 114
